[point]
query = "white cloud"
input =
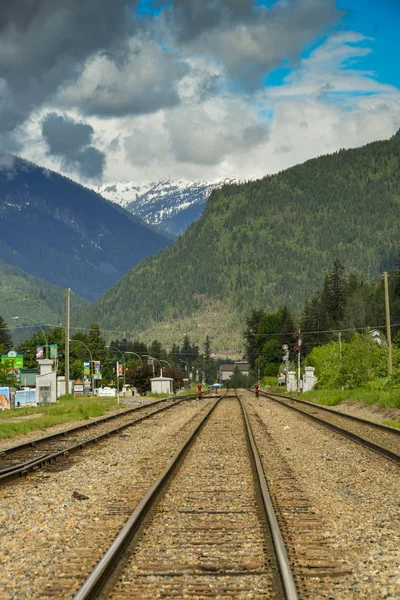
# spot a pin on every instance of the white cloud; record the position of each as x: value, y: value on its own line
x: 216, y: 130
x: 143, y: 81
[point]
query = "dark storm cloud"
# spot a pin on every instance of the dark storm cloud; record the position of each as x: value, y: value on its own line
x: 97, y: 57
x: 145, y: 82
x: 191, y: 18
x: 64, y: 136
x: 43, y: 43
x: 71, y: 142
x: 249, y: 40
x: 36, y: 34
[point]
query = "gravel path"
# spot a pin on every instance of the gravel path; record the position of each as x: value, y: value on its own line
x: 355, y: 497
x: 52, y: 538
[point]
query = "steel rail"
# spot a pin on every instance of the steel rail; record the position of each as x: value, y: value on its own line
x: 99, y: 421
x: 287, y: 579
x: 22, y: 469
x: 393, y: 456
x: 105, y: 567
x: 386, y: 428
x: 97, y: 580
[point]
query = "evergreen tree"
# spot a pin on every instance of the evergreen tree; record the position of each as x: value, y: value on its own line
x: 315, y: 323
x: 209, y: 364
x: 288, y: 327
x: 96, y: 344
x: 253, y: 343
x: 336, y: 292
x: 189, y: 352
x: 5, y: 337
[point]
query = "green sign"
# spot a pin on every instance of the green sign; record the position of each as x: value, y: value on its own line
x: 13, y: 360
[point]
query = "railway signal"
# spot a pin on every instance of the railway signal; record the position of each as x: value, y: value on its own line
x: 257, y: 390
x: 199, y: 391
x: 285, y: 358
x: 298, y: 352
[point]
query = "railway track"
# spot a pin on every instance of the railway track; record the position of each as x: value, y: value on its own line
x: 374, y: 436
x: 206, y: 528
x: 17, y: 461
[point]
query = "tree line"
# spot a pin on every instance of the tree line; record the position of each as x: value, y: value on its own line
x: 344, y: 305
x: 140, y: 362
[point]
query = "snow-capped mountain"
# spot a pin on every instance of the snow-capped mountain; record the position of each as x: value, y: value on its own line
x: 171, y: 205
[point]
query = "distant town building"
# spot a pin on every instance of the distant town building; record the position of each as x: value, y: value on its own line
x: 226, y: 370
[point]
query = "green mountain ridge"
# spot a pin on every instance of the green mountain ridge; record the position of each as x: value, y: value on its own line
x: 268, y: 243
x: 22, y: 294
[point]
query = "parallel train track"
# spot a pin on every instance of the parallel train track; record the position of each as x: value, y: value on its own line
x: 205, y: 528
x: 374, y: 436
x: 17, y: 461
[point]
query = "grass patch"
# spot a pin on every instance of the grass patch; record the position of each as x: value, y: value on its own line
x: 383, y: 398
x: 392, y: 423
x: 66, y: 409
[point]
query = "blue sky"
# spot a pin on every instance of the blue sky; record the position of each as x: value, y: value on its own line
x: 377, y: 19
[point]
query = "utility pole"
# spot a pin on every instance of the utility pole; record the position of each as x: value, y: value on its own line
x: 388, y: 333
x: 66, y: 335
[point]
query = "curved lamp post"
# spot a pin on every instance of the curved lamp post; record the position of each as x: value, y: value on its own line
x: 153, y: 359
x: 40, y: 327
x: 188, y: 370
x: 167, y: 363
x: 139, y: 357
x: 123, y: 358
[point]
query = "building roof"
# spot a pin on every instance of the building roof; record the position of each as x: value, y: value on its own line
x: 241, y: 365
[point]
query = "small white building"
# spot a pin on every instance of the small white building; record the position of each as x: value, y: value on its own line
x: 162, y: 385
x: 291, y: 382
x: 309, y: 379
x: 46, y: 382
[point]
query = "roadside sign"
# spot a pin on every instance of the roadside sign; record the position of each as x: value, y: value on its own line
x: 39, y: 351
x: 12, y: 360
x: 78, y: 388
x: 53, y: 350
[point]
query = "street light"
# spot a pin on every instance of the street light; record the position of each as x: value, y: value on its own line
x: 167, y: 363
x: 153, y: 359
x: 188, y: 369
x: 123, y: 358
x: 91, y: 360
x: 139, y: 357
x: 40, y: 327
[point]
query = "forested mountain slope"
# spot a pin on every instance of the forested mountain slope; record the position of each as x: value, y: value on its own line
x: 267, y: 243
x: 23, y: 295
x: 66, y: 234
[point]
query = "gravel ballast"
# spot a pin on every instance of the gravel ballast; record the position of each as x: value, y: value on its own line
x: 355, y: 496
x: 56, y: 524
